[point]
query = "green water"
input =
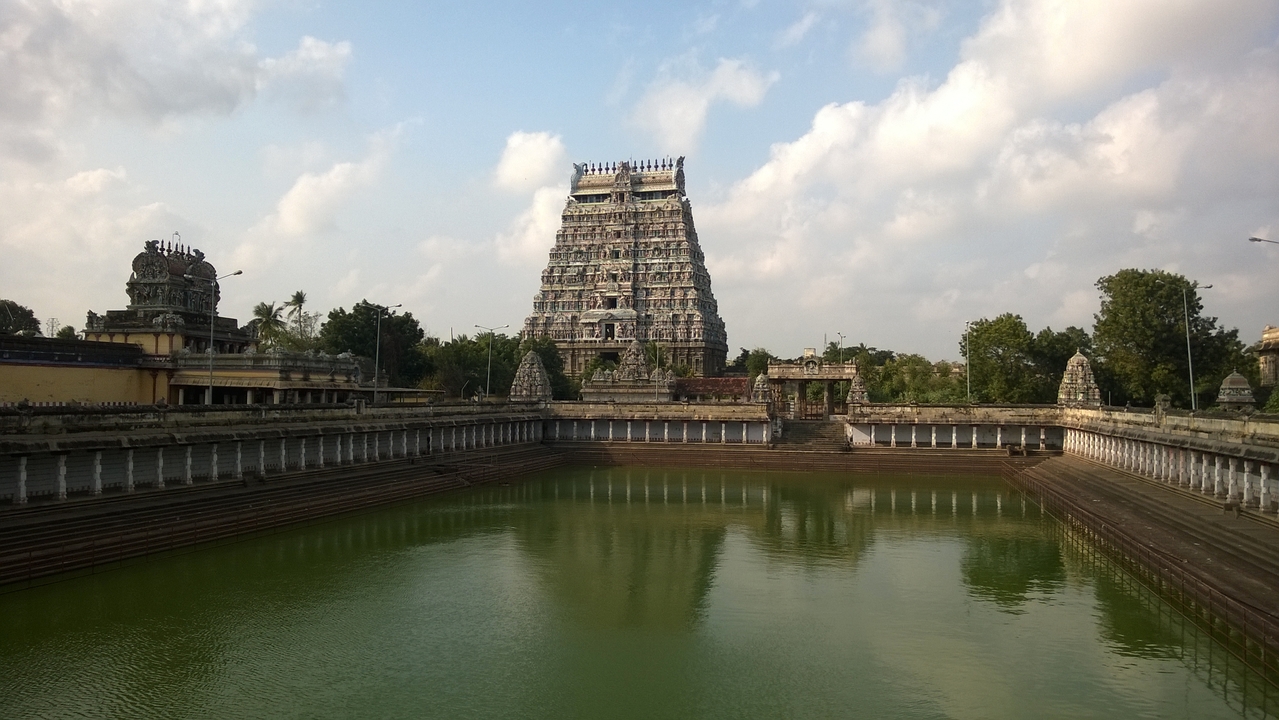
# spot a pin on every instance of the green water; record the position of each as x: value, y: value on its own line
x: 629, y: 593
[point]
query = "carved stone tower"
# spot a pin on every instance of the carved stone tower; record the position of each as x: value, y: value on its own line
x: 627, y: 266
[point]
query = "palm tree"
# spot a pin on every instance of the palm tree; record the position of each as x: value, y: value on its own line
x: 271, y: 327
x: 296, y: 313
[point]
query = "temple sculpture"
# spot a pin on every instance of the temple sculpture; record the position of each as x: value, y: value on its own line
x: 1078, y: 388
x: 627, y: 266
x: 531, y: 383
x: 633, y: 381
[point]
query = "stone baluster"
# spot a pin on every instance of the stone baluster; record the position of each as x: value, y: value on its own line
x: 22, y: 480
x: 96, y: 487
x: 239, y: 460
x: 61, y: 475
x: 188, y: 478
x: 159, y: 468
x: 1267, y: 492
x: 213, y: 461
x: 128, y: 470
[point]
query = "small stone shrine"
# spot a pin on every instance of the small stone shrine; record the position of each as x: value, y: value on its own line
x: 632, y: 382
x: 1235, y: 393
x: 531, y: 384
x: 857, y: 394
x: 1078, y: 387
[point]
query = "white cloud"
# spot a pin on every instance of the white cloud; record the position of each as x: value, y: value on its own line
x: 66, y: 241
x: 309, y: 77
x: 529, y: 161
x: 673, y: 109
x: 310, y: 207
x: 1065, y: 141
x: 72, y: 62
x: 532, y: 234
x: 797, y: 31
x: 883, y: 45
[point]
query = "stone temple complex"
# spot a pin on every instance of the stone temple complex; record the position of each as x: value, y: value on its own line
x: 627, y: 267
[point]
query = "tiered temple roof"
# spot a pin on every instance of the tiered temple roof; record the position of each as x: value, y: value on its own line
x: 627, y: 266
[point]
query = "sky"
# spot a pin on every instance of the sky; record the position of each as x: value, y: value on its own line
x: 881, y: 170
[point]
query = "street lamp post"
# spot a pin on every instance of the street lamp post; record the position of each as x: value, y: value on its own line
x: 377, y: 347
x: 968, y: 360
x: 1257, y: 239
x: 213, y: 308
x: 489, y: 378
x: 841, y: 347
x: 1190, y: 360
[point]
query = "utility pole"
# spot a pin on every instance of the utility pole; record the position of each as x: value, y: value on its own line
x: 968, y: 360
x: 489, y: 379
x: 213, y: 308
x: 377, y: 347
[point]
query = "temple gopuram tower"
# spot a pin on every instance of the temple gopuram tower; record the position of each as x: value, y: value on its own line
x: 627, y: 266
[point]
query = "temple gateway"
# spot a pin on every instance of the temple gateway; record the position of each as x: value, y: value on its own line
x: 627, y: 267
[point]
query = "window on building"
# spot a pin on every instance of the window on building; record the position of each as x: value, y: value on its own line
x: 610, y: 303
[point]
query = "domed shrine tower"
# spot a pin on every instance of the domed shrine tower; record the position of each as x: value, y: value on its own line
x: 627, y: 267
x: 1235, y: 393
x: 1078, y: 387
x: 172, y: 291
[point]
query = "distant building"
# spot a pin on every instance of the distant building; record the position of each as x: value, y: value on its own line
x: 627, y: 267
x: 1268, y: 356
x: 157, y: 350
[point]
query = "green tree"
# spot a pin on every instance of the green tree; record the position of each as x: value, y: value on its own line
x: 914, y: 378
x: 15, y: 318
x: 757, y: 362
x: 1140, y: 340
x: 461, y: 365
x: 268, y: 317
x: 403, y: 362
x: 738, y: 366
x: 66, y: 332
x: 1000, y: 355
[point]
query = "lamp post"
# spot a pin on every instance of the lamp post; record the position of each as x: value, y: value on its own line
x: 841, y: 347
x: 377, y: 347
x: 213, y: 308
x: 968, y: 360
x: 1190, y: 360
x: 489, y: 379
x: 1257, y: 239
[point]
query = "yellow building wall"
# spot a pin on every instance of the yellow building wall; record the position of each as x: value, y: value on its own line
x: 152, y: 343
x: 51, y: 383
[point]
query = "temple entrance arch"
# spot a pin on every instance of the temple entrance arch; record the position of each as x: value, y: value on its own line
x: 787, y: 378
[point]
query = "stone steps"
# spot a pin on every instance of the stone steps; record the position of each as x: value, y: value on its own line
x: 813, y: 435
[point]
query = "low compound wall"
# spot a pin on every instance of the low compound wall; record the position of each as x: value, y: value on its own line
x: 164, y: 449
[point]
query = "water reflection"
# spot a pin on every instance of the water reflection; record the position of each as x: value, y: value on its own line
x: 1007, y: 570
x: 727, y: 590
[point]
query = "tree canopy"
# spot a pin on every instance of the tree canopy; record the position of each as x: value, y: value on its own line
x: 15, y: 318
x: 1010, y: 364
x: 1140, y: 340
x: 404, y: 362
